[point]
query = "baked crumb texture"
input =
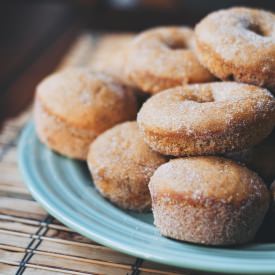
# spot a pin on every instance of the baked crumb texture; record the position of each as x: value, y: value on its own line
x: 162, y: 58
x: 238, y: 44
x: 122, y: 164
x: 208, y: 200
x: 203, y: 119
x: 74, y: 106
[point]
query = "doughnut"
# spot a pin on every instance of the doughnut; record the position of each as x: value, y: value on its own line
x: 121, y: 165
x: 201, y: 119
x: 109, y: 55
x: 74, y: 106
x: 162, y: 58
x: 260, y: 158
x: 208, y: 200
x: 238, y: 44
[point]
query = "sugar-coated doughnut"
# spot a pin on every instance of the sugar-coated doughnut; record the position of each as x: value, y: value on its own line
x: 238, y: 44
x: 121, y: 165
x: 109, y: 55
x: 208, y: 200
x: 74, y: 106
x: 161, y: 58
x: 207, y: 118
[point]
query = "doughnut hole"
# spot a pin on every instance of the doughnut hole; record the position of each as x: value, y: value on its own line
x: 177, y: 44
x: 230, y: 77
x: 192, y: 95
x: 258, y: 29
x: 176, y: 41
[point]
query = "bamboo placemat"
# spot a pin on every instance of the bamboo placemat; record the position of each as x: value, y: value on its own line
x: 32, y: 241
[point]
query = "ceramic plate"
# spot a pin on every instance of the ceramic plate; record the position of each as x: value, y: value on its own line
x: 65, y: 189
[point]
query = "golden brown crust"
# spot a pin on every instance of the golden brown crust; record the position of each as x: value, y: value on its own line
x: 206, y: 180
x: 238, y: 44
x: 207, y: 118
x: 76, y: 105
x: 208, y: 200
x: 121, y: 165
x: 161, y: 58
x: 60, y: 136
x: 86, y: 99
x: 109, y: 57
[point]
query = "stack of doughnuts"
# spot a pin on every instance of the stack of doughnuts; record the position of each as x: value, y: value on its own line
x: 200, y: 151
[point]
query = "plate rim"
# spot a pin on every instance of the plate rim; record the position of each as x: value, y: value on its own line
x: 57, y: 213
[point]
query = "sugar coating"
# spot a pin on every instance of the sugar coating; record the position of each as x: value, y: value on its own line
x: 228, y: 31
x: 163, y: 57
x: 76, y: 105
x: 208, y: 200
x: 87, y: 99
x: 207, y: 118
x: 208, y: 177
x: 121, y: 165
x: 238, y: 43
x: 61, y: 137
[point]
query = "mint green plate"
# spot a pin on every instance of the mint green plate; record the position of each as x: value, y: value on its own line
x: 65, y: 189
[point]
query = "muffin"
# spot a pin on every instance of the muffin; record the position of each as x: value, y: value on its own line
x: 208, y: 200
x: 121, y: 165
x: 74, y: 106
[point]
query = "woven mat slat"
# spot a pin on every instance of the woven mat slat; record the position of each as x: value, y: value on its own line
x: 11, y: 226
x: 8, y: 269
x: 33, y: 270
x: 10, y: 157
x: 11, y: 180
x: 26, y: 229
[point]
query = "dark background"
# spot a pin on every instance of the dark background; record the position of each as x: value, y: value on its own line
x: 34, y: 35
